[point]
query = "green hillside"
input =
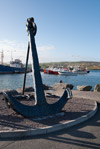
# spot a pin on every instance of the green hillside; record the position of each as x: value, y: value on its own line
x: 89, y: 64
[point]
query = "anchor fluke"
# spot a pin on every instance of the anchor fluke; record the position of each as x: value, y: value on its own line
x: 36, y: 110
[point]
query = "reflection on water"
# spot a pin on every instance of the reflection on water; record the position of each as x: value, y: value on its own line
x: 14, y: 81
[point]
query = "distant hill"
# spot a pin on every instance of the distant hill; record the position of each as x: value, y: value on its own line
x: 89, y: 64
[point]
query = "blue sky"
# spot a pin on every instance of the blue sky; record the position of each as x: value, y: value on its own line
x: 68, y: 30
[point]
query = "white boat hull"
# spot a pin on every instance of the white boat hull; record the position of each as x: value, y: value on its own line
x: 81, y: 72
x: 67, y: 73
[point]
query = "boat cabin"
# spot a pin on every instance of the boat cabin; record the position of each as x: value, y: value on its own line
x: 17, y: 63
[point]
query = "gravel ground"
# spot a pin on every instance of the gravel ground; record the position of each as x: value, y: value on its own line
x: 10, y: 120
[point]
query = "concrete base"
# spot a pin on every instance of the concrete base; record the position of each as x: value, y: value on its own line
x: 11, y: 132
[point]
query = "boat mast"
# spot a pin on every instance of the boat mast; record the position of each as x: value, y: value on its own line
x: 2, y: 56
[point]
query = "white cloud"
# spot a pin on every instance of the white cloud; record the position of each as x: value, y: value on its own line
x: 46, y: 53
x: 12, y: 49
x: 19, y: 50
x: 46, y: 48
x: 82, y: 58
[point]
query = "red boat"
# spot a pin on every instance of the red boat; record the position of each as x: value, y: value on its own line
x: 45, y: 71
x: 48, y: 71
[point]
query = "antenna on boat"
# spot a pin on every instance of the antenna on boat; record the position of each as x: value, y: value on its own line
x: 11, y: 56
x: 2, y: 56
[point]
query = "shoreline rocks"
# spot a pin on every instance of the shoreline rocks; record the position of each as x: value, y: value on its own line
x: 58, y: 86
x: 97, y: 88
x: 84, y: 88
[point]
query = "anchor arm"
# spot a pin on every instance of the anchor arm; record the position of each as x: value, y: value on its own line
x: 36, y: 110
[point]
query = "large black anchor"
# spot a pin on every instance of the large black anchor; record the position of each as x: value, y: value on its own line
x: 41, y: 107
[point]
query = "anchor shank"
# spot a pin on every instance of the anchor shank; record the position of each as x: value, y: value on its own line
x: 38, y: 86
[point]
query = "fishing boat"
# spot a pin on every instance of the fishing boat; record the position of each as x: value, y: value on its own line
x: 15, y: 67
x: 66, y: 72
x: 51, y: 70
x: 80, y: 70
x: 48, y: 71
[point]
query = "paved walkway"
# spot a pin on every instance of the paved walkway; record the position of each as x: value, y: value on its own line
x: 81, y: 94
x: 87, y: 95
x: 83, y: 136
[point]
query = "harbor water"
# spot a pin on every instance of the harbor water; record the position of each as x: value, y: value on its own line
x: 14, y: 81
